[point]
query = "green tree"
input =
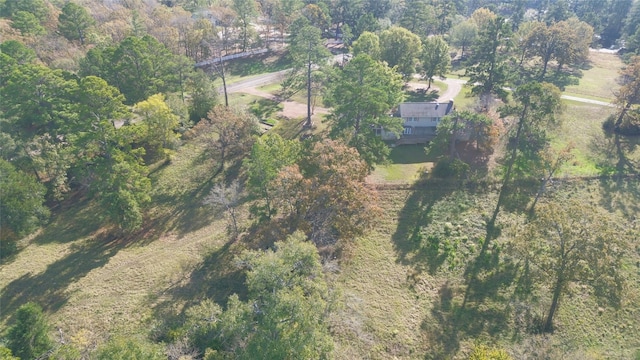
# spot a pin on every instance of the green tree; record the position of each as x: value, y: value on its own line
x: 536, y: 110
x: 27, y: 23
x: 284, y: 316
x: 22, y: 207
x: 269, y: 154
x: 122, y: 187
x: 138, y: 67
x: 615, y: 15
x: 93, y: 132
x: 362, y: 96
x: 38, y: 8
x: 366, y: 22
x: 160, y: 123
x: 463, y: 35
x: 74, y: 21
x: 574, y: 242
x: 436, y: 60
x: 5, y: 354
x: 288, y: 287
x: 419, y: 17
x: 475, y: 127
x: 204, y: 96
x: 99, y: 105
x: 29, y: 337
x: 488, y: 69
x: 318, y: 15
x: 368, y: 43
x: 308, y: 51
x: 400, y: 47
x: 37, y: 100
x: 246, y: 10
x: 285, y: 13
x: 628, y: 95
x: 18, y: 51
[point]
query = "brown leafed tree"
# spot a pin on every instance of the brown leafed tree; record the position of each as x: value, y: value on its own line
x: 326, y: 195
x: 229, y: 132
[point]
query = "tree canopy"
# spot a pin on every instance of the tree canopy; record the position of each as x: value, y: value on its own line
x: 363, y: 95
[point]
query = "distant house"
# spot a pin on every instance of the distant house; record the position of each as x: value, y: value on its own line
x: 420, y: 121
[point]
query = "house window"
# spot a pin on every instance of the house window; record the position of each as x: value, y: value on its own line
x: 407, y: 131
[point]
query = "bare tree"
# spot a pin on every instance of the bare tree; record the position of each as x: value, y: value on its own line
x: 227, y: 198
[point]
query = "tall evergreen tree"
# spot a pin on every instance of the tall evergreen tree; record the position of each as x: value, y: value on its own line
x: 74, y: 21
x: 488, y: 69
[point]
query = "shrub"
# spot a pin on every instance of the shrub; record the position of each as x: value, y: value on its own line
x: 451, y: 168
x: 29, y: 337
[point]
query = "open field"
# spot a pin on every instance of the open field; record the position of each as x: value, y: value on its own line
x: 600, y: 80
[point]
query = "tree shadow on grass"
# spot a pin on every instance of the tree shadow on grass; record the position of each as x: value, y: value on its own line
x: 74, y: 219
x: 49, y: 289
x: 438, y: 222
x: 449, y: 323
x: 215, y: 278
x: 416, y: 214
x: 620, y: 167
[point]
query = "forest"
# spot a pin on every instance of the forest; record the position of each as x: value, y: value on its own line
x: 231, y: 179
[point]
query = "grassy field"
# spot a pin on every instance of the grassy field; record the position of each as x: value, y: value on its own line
x: 600, y: 80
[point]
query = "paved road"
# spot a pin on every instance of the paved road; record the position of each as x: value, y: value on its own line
x: 454, y: 86
x: 588, y: 101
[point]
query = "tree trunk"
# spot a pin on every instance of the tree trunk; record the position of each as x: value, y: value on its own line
x: 309, y: 123
x: 622, y: 114
x: 224, y: 83
x: 557, y: 291
x: 452, y: 142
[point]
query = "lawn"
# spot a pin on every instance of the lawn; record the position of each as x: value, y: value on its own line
x: 595, y: 152
x: 599, y: 82
x: 406, y: 164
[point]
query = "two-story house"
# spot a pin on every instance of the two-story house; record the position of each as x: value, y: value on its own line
x: 420, y: 120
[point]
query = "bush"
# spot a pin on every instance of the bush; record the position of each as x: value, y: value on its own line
x: 451, y: 168
x: 29, y: 337
x: 5, y: 354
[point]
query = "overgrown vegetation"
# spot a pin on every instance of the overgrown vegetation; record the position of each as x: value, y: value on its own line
x: 140, y: 218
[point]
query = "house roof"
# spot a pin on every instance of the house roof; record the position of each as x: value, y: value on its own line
x: 425, y: 109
